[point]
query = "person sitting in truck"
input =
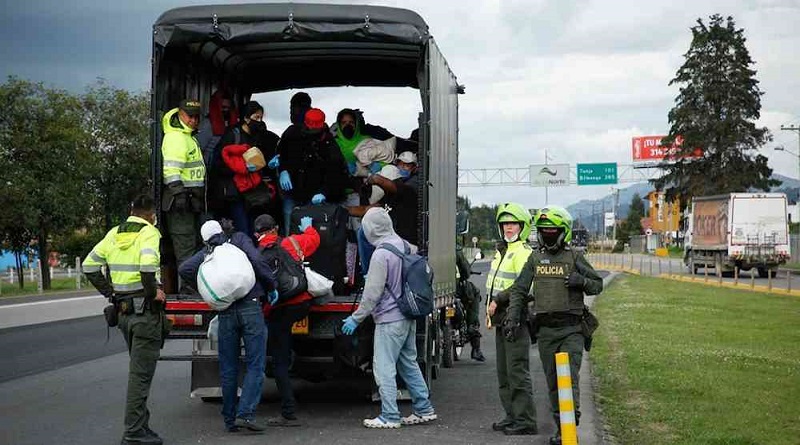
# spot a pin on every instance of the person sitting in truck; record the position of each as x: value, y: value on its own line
x: 350, y: 130
x: 241, y: 321
x: 312, y: 169
x: 225, y: 198
x: 282, y: 316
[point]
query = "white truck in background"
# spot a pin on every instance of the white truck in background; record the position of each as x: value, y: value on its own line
x: 738, y: 230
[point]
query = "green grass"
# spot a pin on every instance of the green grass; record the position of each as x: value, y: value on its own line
x: 790, y: 266
x: 681, y: 363
x: 56, y: 285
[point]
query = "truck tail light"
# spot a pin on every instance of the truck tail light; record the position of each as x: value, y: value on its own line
x: 186, y: 320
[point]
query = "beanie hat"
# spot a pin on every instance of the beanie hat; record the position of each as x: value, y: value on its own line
x: 314, y: 119
x: 209, y: 229
x: 264, y: 223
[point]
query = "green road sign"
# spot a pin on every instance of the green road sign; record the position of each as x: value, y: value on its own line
x: 597, y: 174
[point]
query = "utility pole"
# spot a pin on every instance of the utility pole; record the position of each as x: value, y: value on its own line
x: 796, y: 128
x: 616, y: 207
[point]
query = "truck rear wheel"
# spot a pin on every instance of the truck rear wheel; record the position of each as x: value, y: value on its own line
x: 764, y: 272
x: 447, y: 344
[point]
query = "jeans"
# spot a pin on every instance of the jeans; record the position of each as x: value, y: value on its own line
x: 280, y: 347
x: 396, y: 353
x: 365, y: 250
x: 242, y: 320
x: 241, y: 221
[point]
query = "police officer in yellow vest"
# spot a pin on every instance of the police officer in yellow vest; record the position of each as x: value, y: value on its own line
x: 513, y: 375
x: 130, y: 254
x: 184, y: 173
x: 557, y: 278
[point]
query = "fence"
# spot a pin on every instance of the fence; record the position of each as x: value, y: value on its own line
x: 34, y: 275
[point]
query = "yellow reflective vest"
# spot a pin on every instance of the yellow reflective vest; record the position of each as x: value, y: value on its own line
x: 506, y: 268
x: 182, y: 158
x: 127, y: 250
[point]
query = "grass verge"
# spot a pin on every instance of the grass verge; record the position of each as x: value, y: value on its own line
x: 56, y: 285
x: 680, y: 363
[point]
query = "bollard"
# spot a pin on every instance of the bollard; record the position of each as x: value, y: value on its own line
x: 705, y: 272
x: 788, y: 282
x: 719, y: 276
x: 631, y: 268
x: 659, y: 267
x: 566, y: 403
x: 752, y: 279
x: 39, y: 284
x: 12, y: 274
x: 736, y: 275
x: 33, y: 276
x: 51, y: 273
x: 641, y: 265
x: 69, y: 272
x: 78, y: 272
x: 769, y: 280
x: 651, y: 266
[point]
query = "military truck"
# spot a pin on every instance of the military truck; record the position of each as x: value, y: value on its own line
x: 258, y: 48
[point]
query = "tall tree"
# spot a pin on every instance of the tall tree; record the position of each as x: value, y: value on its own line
x: 118, y: 135
x: 45, y: 162
x: 715, y: 111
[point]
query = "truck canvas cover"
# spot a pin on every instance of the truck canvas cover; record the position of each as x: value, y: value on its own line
x: 269, y: 47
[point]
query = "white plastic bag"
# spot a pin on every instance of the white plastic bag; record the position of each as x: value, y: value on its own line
x: 225, y: 276
x: 318, y: 285
x: 213, y: 329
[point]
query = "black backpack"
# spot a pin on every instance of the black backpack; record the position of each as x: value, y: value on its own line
x: 289, y: 273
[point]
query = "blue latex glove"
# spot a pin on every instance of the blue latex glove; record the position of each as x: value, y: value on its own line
x: 251, y: 167
x: 285, y: 181
x: 351, y: 167
x: 272, y: 297
x: 349, y: 325
x: 305, y: 222
x: 375, y: 167
x: 318, y: 199
x: 274, y: 162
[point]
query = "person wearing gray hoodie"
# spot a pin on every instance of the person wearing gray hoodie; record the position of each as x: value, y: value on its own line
x: 395, y: 341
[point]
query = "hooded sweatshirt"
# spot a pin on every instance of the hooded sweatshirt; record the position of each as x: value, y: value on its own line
x: 384, y: 279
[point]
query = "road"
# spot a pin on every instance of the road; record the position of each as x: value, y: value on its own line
x: 651, y: 265
x: 61, y: 381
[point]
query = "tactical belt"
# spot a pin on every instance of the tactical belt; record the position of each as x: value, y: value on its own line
x: 557, y: 320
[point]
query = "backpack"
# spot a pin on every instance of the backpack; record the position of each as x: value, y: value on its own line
x: 225, y: 276
x: 416, y: 300
x: 289, y: 273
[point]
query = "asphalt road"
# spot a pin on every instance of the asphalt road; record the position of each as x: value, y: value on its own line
x: 62, y: 384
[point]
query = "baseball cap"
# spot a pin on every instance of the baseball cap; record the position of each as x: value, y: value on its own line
x: 314, y: 119
x: 190, y: 107
x: 407, y: 157
x: 264, y: 223
x: 209, y: 229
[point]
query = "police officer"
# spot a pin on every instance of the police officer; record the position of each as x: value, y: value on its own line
x: 513, y: 375
x: 184, y: 175
x: 559, y: 277
x: 130, y: 253
x: 470, y: 298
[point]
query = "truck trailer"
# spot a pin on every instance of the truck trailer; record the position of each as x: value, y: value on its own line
x: 258, y: 48
x: 738, y: 231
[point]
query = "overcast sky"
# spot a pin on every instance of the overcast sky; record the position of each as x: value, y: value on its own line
x: 578, y: 78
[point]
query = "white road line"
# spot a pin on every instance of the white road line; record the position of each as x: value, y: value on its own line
x: 60, y: 300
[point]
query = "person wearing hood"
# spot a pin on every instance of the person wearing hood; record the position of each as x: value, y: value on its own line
x: 312, y: 169
x: 282, y: 316
x: 225, y: 196
x: 184, y: 175
x: 130, y: 251
x: 221, y: 116
x: 241, y: 321
x: 351, y: 130
x: 513, y: 359
x: 395, y: 341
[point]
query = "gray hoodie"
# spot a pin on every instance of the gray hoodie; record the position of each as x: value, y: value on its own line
x: 383, y: 282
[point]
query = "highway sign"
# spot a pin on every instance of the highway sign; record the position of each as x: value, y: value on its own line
x: 597, y: 174
x: 549, y: 175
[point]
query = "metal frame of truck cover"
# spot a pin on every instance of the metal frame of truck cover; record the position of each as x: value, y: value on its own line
x: 269, y: 47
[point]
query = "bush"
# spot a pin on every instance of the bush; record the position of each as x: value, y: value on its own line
x: 75, y: 244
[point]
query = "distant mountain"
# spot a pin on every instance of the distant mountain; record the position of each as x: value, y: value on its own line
x: 589, y: 212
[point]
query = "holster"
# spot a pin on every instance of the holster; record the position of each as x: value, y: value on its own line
x: 111, y: 315
x: 589, y: 324
x: 533, y: 326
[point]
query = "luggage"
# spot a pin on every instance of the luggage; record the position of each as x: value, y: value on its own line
x: 225, y: 276
x: 416, y: 299
x: 254, y: 156
x: 329, y: 260
x: 289, y: 273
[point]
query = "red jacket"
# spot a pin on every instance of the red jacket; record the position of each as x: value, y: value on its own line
x: 244, y: 179
x: 218, y: 124
x: 308, y: 242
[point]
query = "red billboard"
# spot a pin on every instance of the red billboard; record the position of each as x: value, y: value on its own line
x: 648, y: 148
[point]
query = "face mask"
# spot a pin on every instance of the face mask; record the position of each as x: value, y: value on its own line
x: 257, y: 127
x: 348, y: 131
x: 405, y: 174
x: 512, y: 239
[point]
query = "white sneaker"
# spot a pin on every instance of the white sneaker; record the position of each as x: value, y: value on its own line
x: 415, y: 419
x: 380, y: 422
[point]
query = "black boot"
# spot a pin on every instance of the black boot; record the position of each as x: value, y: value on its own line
x: 556, y: 439
x: 476, y: 353
x: 143, y: 437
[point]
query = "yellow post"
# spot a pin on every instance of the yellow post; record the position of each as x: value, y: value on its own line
x: 566, y: 403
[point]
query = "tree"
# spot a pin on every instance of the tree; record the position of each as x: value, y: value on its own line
x: 118, y: 136
x: 632, y: 225
x: 715, y: 111
x: 44, y: 162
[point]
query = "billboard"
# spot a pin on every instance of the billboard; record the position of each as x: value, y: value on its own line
x: 609, y: 219
x: 649, y: 149
x: 549, y: 175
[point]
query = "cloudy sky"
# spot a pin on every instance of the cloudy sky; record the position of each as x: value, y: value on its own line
x: 575, y: 78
